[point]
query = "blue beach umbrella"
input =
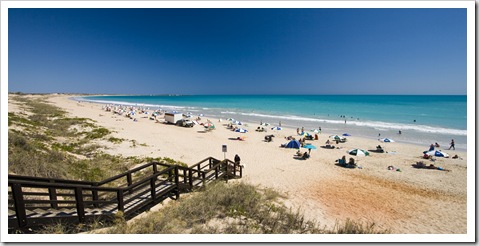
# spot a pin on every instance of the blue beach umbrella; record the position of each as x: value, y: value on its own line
x: 346, y: 134
x: 309, y: 146
x: 241, y: 130
x: 437, y: 153
x: 276, y: 128
x: 387, y: 140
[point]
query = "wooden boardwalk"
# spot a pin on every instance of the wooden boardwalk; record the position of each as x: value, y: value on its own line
x: 34, y: 202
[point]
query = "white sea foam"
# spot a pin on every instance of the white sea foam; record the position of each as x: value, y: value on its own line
x: 379, y: 125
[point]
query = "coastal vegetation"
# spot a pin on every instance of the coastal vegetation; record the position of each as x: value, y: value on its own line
x: 44, y: 142
x: 233, y: 208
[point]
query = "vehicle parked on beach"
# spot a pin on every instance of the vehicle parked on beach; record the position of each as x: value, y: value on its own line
x: 185, y: 123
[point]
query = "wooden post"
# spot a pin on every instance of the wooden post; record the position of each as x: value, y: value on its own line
x: 153, y: 189
x: 190, y: 178
x: 79, y: 204
x: 129, y: 180
x: 227, y: 172
x: 52, y: 193
x: 177, y: 183
x: 19, y: 203
x: 155, y: 168
x: 241, y: 171
x: 121, y: 203
x: 94, y: 198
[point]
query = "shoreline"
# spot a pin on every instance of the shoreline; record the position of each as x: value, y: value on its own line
x: 365, y: 129
x: 400, y: 201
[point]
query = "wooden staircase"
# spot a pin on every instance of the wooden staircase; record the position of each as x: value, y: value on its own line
x: 34, y: 202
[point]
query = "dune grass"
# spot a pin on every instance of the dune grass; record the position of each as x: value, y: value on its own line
x: 233, y: 208
x: 44, y: 142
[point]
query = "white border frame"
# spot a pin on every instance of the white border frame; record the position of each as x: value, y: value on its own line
x: 471, y: 227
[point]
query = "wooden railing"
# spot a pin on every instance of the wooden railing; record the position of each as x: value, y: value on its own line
x: 129, y: 192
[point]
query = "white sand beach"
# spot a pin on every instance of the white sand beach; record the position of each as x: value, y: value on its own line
x: 409, y: 201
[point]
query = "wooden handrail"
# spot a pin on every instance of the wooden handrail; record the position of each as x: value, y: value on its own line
x: 52, y: 180
x: 123, y: 195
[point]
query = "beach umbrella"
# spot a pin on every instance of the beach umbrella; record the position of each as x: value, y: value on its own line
x: 387, y: 140
x: 293, y: 144
x: 309, y: 146
x: 238, y: 122
x: 241, y: 130
x: 358, y: 152
x: 230, y: 119
x: 346, y: 134
x: 207, y: 124
x: 276, y: 128
x: 437, y: 153
x: 336, y: 137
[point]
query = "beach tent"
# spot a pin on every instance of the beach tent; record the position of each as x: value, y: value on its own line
x: 293, y: 144
x: 346, y: 134
x: 241, y: 130
x: 276, y: 128
x: 230, y: 119
x: 437, y: 153
x: 387, y: 140
x: 358, y: 152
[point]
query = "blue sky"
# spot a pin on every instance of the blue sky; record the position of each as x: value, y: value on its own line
x: 238, y: 51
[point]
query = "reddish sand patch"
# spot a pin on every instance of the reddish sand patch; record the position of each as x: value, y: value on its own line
x: 371, y: 199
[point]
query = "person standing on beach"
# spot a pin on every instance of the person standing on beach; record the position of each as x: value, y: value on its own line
x: 279, y: 123
x: 237, y: 159
x: 452, y: 144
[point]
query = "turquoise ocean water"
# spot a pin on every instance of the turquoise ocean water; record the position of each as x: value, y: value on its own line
x: 421, y: 119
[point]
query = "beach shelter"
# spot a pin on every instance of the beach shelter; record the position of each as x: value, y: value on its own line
x: 230, y: 119
x: 208, y: 124
x: 346, y: 134
x: 241, y: 130
x: 387, y: 140
x: 309, y: 146
x: 276, y: 128
x: 437, y: 153
x: 315, y: 130
x: 293, y: 144
x: 358, y: 152
x: 336, y: 137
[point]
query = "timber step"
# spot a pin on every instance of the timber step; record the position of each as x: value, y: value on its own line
x: 34, y: 201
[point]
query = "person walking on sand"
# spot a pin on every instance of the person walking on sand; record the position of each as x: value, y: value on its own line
x: 452, y: 144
